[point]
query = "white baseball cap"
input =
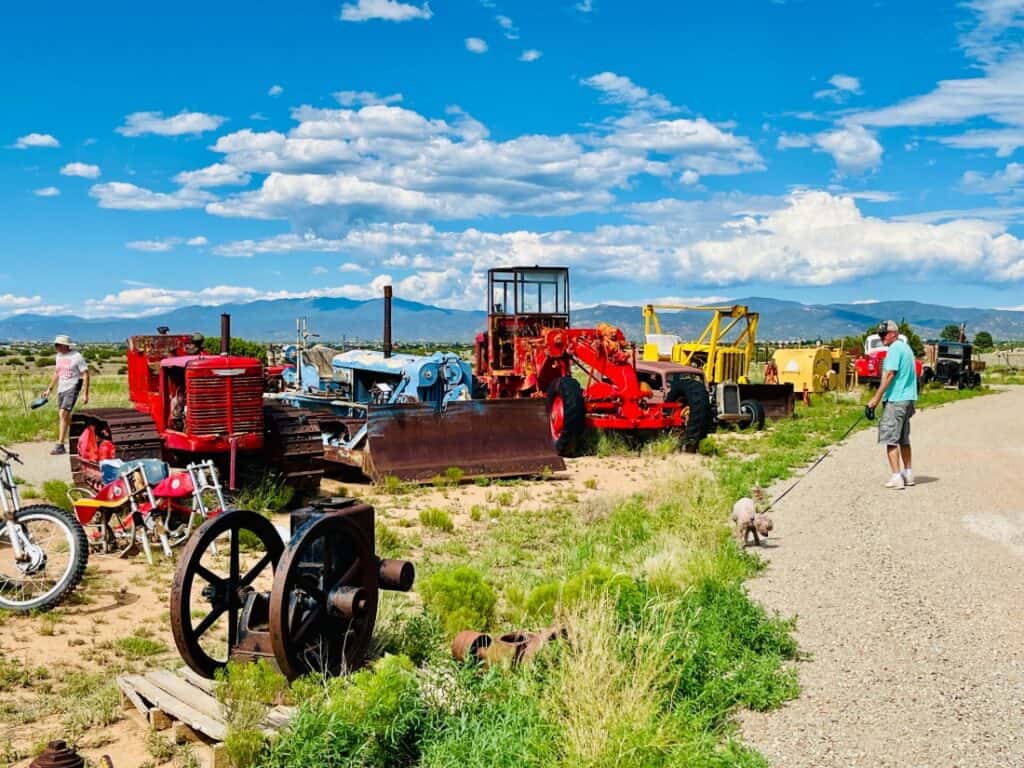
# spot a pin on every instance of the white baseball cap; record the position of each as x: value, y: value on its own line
x: 63, y: 339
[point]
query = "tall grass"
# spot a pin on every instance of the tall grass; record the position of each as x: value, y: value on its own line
x: 18, y: 423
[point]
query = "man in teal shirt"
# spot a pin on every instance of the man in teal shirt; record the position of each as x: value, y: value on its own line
x: 898, y: 390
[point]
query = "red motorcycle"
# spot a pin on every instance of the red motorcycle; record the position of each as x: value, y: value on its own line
x: 165, y: 507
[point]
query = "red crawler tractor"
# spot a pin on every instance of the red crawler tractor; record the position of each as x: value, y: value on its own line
x: 529, y: 350
x: 187, y: 405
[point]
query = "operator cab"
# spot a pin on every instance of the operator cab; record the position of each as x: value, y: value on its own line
x: 521, y: 302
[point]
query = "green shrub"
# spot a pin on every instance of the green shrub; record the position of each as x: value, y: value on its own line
x: 374, y: 718
x: 247, y: 691
x: 460, y: 598
x: 437, y: 519
x: 454, y: 475
x: 45, y: 362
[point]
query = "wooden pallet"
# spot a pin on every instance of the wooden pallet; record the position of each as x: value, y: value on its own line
x: 184, y: 702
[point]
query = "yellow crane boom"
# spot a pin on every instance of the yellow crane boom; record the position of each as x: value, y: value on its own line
x: 722, y: 357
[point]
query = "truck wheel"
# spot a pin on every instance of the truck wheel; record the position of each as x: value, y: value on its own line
x: 567, y: 412
x: 755, y: 410
x: 692, y: 394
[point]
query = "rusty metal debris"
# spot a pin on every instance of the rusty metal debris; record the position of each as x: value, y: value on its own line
x: 58, y: 755
x: 320, y: 610
x: 511, y: 648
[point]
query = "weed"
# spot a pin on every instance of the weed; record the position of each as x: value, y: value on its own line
x: 268, y: 494
x: 460, y: 598
x: 590, y: 484
x: 454, y: 475
x: 86, y: 700
x: 160, y: 748
x: 437, y: 518
x: 482, y: 482
x: 247, y: 691
x: 29, y: 492
x: 389, y: 543
x: 135, y: 647
x: 56, y: 493
x: 48, y: 624
x: 476, y: 513
x: 373, y: 718
x: 392, y: 485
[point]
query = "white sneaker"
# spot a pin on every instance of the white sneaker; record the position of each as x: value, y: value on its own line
x: 908, y: 477
x: 895, y: 483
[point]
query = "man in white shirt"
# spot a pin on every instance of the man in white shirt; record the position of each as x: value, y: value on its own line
x: 70, y: 377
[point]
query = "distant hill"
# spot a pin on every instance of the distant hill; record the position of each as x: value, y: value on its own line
x: 335, y: 319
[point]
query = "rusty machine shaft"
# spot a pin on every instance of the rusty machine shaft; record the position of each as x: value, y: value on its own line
x: 310, y: 605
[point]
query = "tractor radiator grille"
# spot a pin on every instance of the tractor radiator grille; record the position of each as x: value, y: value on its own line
x: 730, y: 366
x: 225, y: 405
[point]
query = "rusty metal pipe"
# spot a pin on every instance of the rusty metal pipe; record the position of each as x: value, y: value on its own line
x: 348, y: 601
x: 387, y: 321
x: 396, y: 575
x: 225, y: 333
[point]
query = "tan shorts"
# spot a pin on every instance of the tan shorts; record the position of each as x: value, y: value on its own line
x: 894, y: 426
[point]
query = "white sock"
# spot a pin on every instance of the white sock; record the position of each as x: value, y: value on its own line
x: 898, y: 476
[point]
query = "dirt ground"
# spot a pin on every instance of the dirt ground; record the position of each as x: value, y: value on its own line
x: 124, y: 595
x: 908, y: 602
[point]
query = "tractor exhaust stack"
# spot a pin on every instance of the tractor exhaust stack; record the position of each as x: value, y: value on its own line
x: 387, y: 321
x: 225, y: 334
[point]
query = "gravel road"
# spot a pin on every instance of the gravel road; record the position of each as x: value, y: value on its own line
x: 908, y: 602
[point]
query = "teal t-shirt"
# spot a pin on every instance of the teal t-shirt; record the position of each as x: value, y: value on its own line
x: 900, y: 358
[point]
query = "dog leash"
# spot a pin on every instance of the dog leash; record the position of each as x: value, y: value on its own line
x: 820, y: 459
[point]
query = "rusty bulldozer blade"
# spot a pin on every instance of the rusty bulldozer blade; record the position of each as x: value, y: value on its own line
x: 483, y: 438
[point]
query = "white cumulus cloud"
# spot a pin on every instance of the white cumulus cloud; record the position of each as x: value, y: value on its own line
x: 85, y: 170
x: 842, y: 87
x: 46, y: 192
x: 999, y: 182
x: 530, y: 54
x: 619, y: 89
x: 385, y: 10
x: 43, y: 140
x: 141, y: 123
x: 275, y: 90
x: 476, y: 45
x: 853, y: 147
x: 129, y: 197
x: 365, y: 98
x: 216, y: 175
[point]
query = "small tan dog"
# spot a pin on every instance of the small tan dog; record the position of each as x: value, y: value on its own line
x: 748, y: 522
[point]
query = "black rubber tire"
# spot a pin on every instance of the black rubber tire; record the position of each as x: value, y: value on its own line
x: 756, y: 410
x: 574, y: 413
x: 694, y: 395
x: 78, y: 559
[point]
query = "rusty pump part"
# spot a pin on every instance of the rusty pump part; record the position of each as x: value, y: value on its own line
x: 308, y: 606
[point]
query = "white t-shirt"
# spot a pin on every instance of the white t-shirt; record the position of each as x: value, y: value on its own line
x: 70, y: 367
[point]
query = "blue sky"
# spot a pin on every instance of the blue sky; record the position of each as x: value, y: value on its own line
x: 801, y: 149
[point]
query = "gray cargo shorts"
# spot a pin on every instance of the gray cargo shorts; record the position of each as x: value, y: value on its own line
x: 66, y: 400
x: 894, y: 426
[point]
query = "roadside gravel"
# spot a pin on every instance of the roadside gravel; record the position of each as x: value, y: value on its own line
x: 907, y: 602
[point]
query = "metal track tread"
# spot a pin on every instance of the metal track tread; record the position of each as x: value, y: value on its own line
x: 294, y: 446
x: 133, y: 433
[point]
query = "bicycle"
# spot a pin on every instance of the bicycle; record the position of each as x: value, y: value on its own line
x: 43, y: 549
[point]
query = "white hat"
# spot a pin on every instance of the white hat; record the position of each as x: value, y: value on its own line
x: 63, y: 339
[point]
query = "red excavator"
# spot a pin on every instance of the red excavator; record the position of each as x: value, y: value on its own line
x: 188, y: 405
x: 530, y: 350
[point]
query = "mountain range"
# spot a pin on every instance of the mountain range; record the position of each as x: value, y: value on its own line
x: 337, y: 319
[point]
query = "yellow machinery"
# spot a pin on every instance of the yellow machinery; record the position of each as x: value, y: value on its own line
x: 816, y: 369
x: 722, y: 358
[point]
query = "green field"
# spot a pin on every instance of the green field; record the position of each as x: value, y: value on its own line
x: 18, y: 423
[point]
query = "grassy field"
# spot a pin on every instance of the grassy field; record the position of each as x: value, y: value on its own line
x: 18, y: 423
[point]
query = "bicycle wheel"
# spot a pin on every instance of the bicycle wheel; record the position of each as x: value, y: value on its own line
x: 57, y: 550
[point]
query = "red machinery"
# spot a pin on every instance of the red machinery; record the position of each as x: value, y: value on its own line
x: 869, y: 365
x: 529, y: 350
x: 187, y: 405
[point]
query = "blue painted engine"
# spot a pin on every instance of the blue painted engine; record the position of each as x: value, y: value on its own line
x: 368, y: 377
